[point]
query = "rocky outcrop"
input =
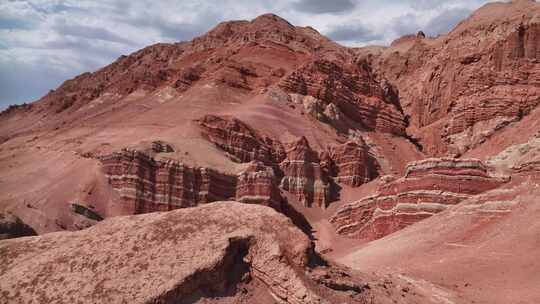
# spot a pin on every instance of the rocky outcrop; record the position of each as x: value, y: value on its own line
x: 520, y: 159
x: 350, y: 163
x: 529, y: 169
x: 13, y: 227
x: 240, y: 141
x: 353, y: 89
x: 159, y: 146
x: 522, y: 43
x: 147, y: 185
x: 82, y: 217
x: 300, y: 170
x: 86, y: 212
x: 259, y: 185
x: 303, y: 175
x: 462, y: 88
x: 428, y: 187
x: 220, y: 253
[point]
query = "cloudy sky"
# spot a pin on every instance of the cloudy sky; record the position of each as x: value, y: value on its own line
x: 44, y: 42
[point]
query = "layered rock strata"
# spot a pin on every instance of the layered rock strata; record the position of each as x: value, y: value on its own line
x: 428, y: 187
x: 299, y: 169
x: 303, y: 175
x: 147, y: 185
x: 159, y: 146
x: 224, y: 252
x: 465, y: 86
x: 240, y: 141
x: 528, y: 169
x: 353, y: 89
x: 350, y: 163
x: 259, y: 185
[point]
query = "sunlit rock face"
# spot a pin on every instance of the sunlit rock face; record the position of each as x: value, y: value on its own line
x: 303, y: 175
x: 428, y: 187
x: 146, y: 185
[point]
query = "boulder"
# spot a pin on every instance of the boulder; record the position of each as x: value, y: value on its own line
x: 224, y: 252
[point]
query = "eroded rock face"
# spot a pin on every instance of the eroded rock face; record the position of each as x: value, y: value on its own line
x: 303, y: 175
x: 216, y: 252
x: 529, y: 169
x: 13, y: 227
x: 241, y: 142
x: 350, y: 163
x: 473, y: 82
x: 146, y: 185
x: 296, y: 167
x: 259, y: 185
x: 428, y: 187
x: 353, y: 89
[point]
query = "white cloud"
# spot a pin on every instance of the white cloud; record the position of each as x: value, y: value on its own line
x: 56, y: 39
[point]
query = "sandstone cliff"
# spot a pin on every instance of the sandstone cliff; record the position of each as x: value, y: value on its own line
x: 307, y: 174
x: 258, y: 184
x: 350, y: 163
x: 429, y: 187
x: 240, y: 141
x: 353, y: 89
x: 461, y: 88
x: 303, y: 175
x: 147, y: 185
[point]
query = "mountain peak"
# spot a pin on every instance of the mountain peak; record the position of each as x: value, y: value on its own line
x: 264, y: 23
x: 271, y: 19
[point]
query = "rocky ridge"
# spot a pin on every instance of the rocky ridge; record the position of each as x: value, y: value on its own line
x: 308, y: 174
x: 353, y: 90
x: 147, y: 185
x: 251, y: 253
x: 240, y: 141
x: 429, y: 187
x: 461, y: 88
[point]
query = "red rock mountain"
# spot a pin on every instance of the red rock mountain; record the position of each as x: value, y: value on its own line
x: 419, y: 162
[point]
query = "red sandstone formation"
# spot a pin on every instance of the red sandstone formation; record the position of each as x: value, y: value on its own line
x: 478, y: 242
x: 350, y: 163
x: 531, y: 169
x: 303, y: 175
x: 223, y: 253
x: 465, y: 86
x: 241, y: 142
x: 429, y: 187
x: 147, y: 185
x: 353, y: 89
x: 258, y: 185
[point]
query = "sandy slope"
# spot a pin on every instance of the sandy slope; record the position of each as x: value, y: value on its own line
x: 484, y: 257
